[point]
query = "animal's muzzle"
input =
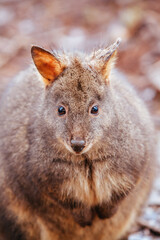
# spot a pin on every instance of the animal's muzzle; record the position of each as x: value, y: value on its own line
x: 77, y: 145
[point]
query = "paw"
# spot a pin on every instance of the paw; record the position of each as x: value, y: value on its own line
x: 83, y: 216
x: 105, y: 211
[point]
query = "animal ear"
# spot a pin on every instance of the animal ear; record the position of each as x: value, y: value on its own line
x: 105, y: 59
x: 47, y: 64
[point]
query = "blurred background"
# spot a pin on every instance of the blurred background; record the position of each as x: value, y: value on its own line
x: 86, y: 25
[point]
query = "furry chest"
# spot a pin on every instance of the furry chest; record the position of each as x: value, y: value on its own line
x: 89, y: 187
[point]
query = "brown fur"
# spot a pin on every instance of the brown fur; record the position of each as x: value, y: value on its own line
x: 48, y: 191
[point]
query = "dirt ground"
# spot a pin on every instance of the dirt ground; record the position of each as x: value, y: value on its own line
x: 85, y: 25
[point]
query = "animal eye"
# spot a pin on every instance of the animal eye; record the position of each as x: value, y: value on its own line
x: 94, y: 110
x: 61, y: 110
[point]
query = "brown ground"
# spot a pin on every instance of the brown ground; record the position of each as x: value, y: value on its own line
x: 84, y: 25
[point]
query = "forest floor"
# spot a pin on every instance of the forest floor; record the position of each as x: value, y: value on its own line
x: 86, y: 24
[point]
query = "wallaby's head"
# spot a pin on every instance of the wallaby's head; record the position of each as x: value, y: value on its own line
x: 76, y: 93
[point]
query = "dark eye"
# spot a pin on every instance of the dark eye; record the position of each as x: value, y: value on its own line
x: 61, y: 110
x: 94, y: 110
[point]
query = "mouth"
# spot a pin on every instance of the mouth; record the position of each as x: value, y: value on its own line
x: 75, y: 150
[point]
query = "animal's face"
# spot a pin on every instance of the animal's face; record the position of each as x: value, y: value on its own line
x: 75, y: 105
x: 76, y: 94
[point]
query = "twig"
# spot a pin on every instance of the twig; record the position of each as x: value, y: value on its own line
x: 146, y: 224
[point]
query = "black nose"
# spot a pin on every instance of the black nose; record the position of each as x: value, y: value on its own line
x: 77, y: 145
